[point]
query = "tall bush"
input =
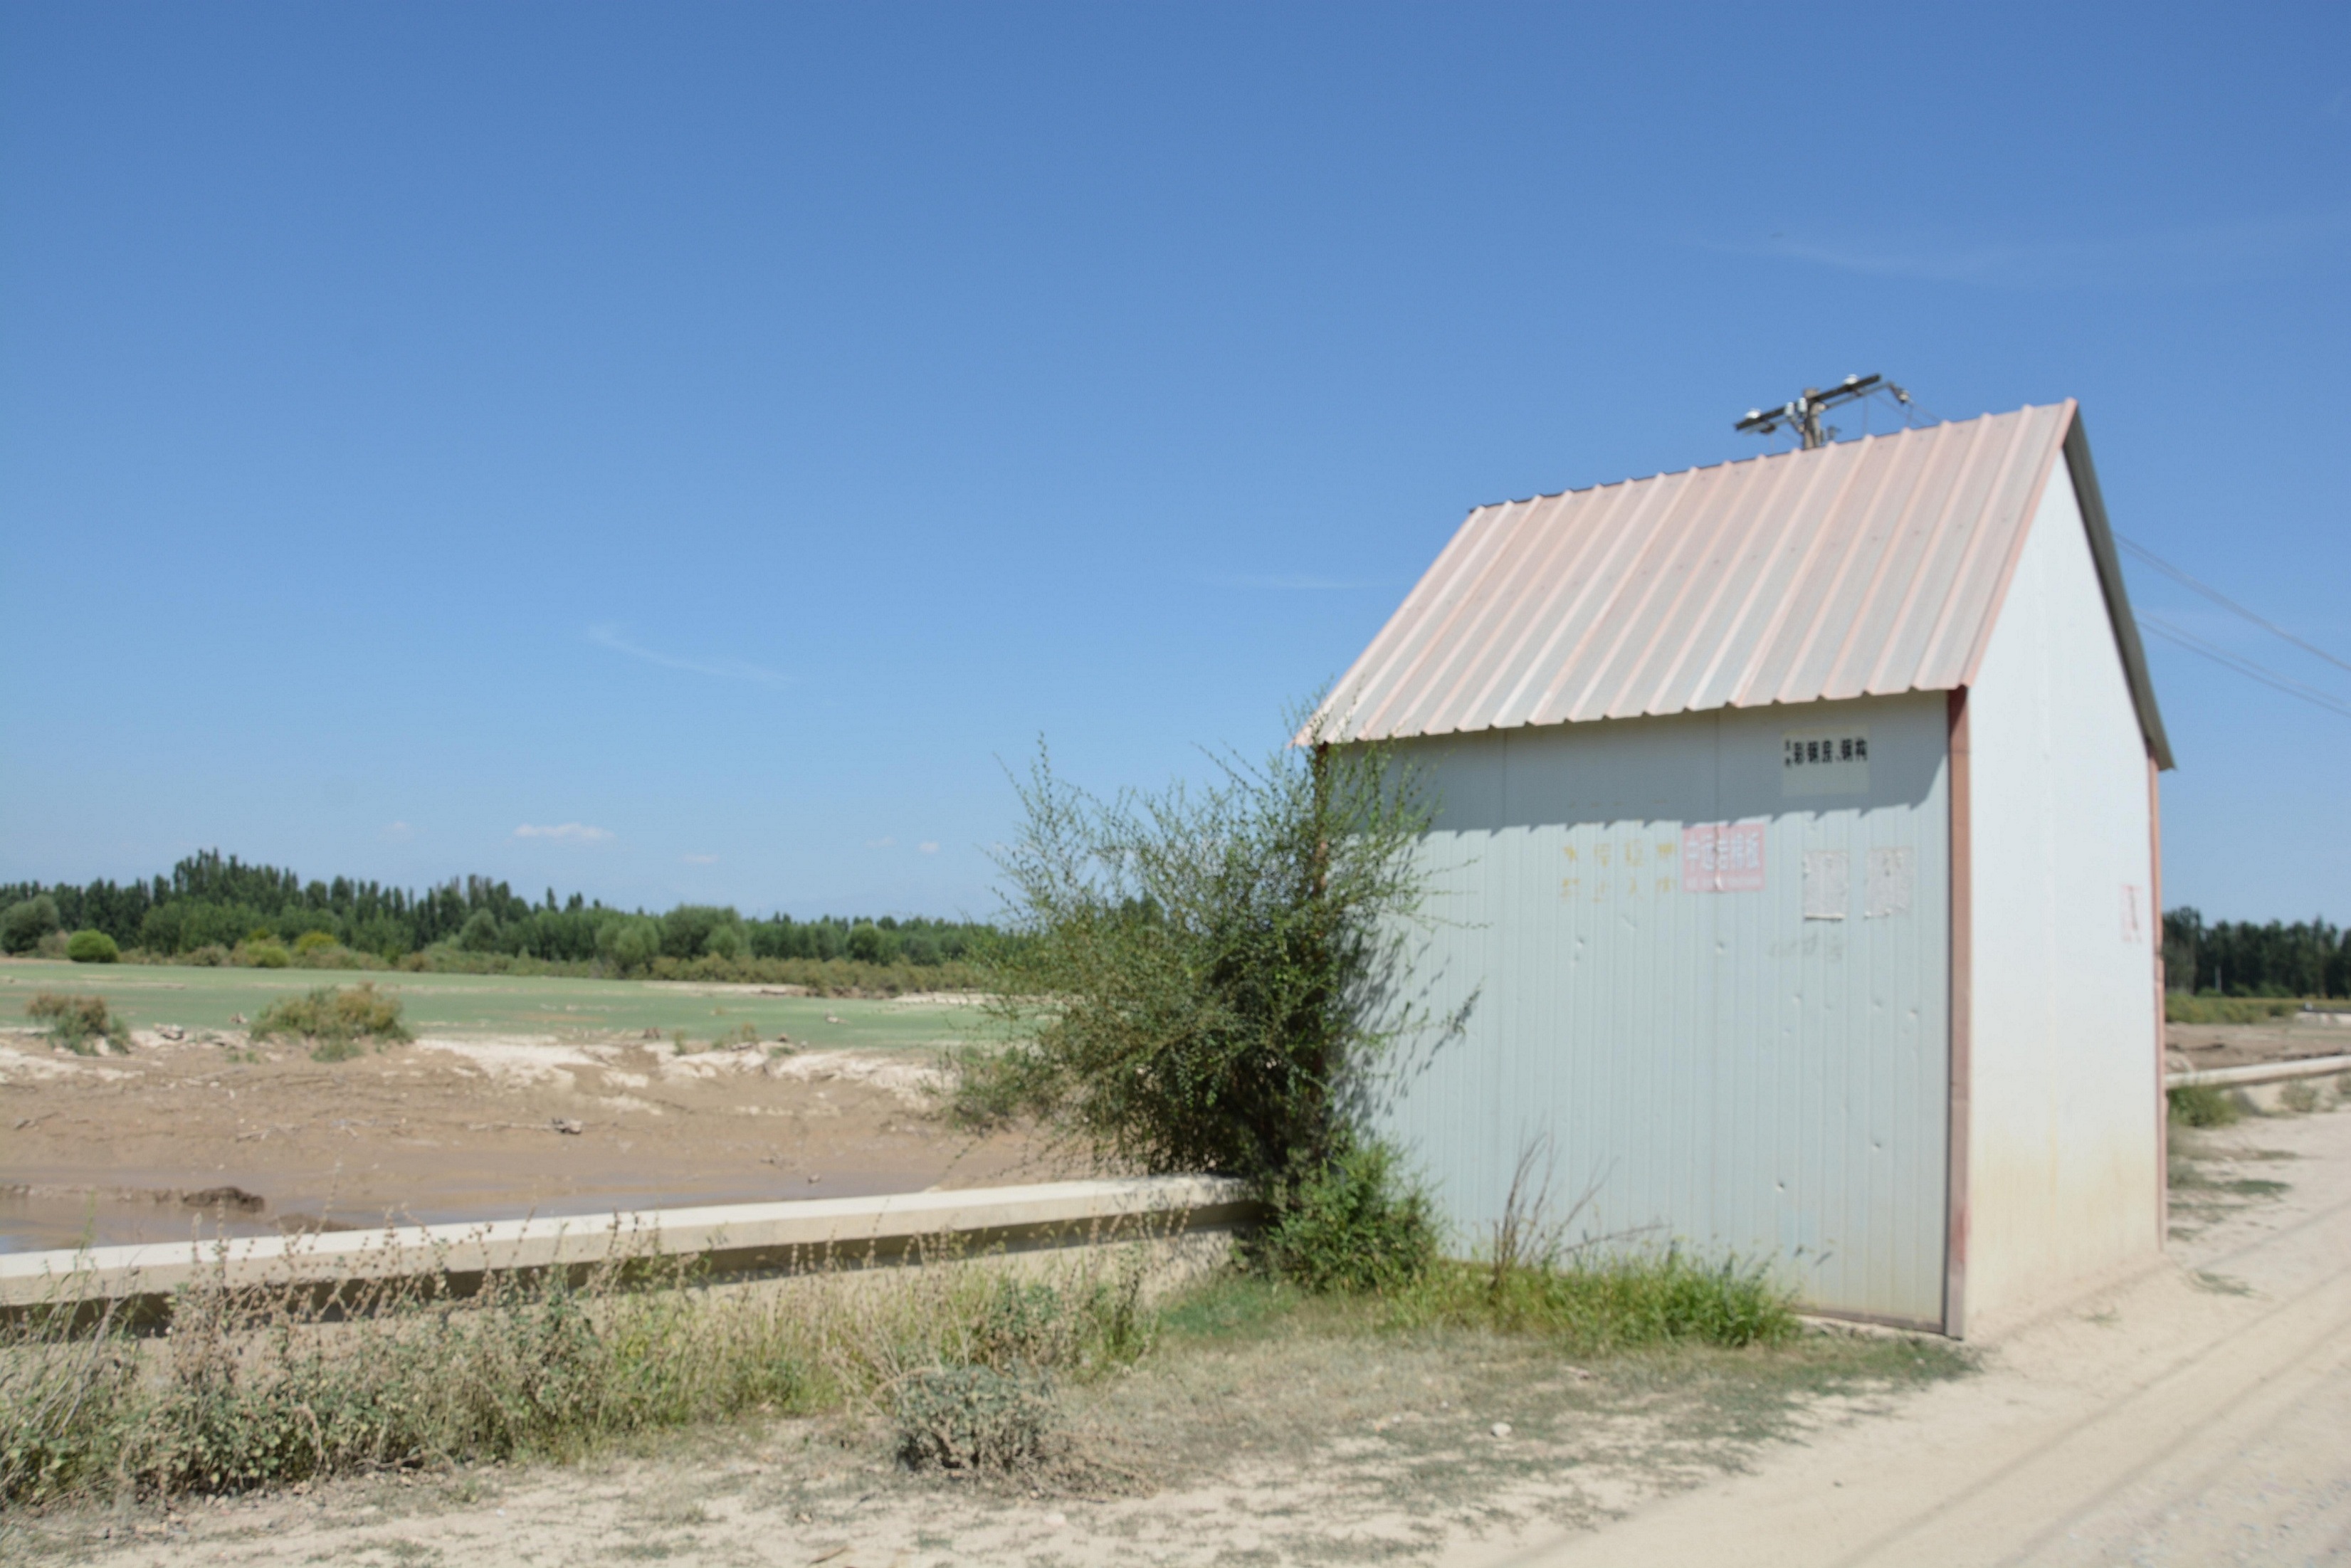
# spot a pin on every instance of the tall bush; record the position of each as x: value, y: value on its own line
x: 1197, y: 977
x: 92, y: 947
x: 629, y: 943
x: 26, y: 921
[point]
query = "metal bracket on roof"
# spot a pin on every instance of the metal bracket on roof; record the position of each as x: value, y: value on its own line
x: 1803, y: 413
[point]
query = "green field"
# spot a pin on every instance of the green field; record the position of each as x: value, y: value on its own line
x: 498, y: 1004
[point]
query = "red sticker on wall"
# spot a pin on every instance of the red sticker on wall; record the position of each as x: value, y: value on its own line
x: 1723, y: 857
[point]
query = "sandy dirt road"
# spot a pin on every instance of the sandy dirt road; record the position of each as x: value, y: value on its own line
x: 2200, y: 1414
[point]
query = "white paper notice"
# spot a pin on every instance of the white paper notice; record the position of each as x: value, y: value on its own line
x: 1826, y: 882
x: 1892, y: 875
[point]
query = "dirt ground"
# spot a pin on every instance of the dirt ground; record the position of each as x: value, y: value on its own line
x: 2194, y: 1047
x: 2198, y: 1412
x: 213, y: 1130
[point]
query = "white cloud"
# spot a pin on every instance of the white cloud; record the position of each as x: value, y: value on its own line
x: 565, y: 833
x: 609, y: 636
x: 2207, y: 254
x: 928, y: 846
x: 699, y: 860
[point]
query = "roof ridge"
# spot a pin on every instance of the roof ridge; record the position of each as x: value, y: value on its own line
x: 1758, y: 457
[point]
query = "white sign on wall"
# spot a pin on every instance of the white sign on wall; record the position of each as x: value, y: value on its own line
x: 1828, y: 875
x: 1893, y: 874
x: 1833, y: 760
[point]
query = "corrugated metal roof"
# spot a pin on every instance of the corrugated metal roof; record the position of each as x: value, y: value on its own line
x: 1860, y: 567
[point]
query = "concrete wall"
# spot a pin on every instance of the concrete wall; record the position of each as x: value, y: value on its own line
x: 1716, y: 1067
x: 2063, y: 1170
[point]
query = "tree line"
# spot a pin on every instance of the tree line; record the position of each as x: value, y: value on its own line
x: 210, y: 900
x: 2242, y: 958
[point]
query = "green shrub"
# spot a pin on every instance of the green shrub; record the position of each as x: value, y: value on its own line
x: 2203, y: 1105
x: 91, y: 947
x: 1357, y: 1224
x: 725, y: 942
x: 313, y: 941
x: 975, y: 1418
x: 25, y: 922
x: 265, y: 953
x: 2299, y: 1096
x: 211, y: 955
x: 336, y: 1021
x: 1600, y: 1305
x: 1191, y: 979
x: 80, y: 1024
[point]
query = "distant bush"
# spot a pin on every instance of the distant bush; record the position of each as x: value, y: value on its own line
x: 313, y: 941
x: 481, y: 933
x: 25, y: 922
x: 80, y: 1024
x: 211, y: 955
x: 725, y: 942
x: 631, y: 943
x: 263, y: 953
x: 2180, y: 1008
x: 92, y: 947
x: 336, y: 1021
x: 2203, y: 1105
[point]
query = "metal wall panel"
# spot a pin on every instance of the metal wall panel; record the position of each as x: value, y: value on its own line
x: 1714, y: 1067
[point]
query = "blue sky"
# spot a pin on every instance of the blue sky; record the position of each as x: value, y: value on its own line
x: 717, y: 437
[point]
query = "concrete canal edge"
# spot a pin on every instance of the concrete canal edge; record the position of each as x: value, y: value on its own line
x: 1187, y: 1221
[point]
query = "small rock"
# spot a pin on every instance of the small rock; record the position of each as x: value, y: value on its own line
x: 171, y: 1032
x: 814, y: 1178
x: 1501, y: 1428
x: 566, y: 1124
x: 1579, y: 1373
x: 830, y: 1017
x: 236, y: 1019
x: 1055, y: 1520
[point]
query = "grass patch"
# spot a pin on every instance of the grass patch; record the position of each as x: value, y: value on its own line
x: 2180, y: 1008
x: 2204, y: 1105
x: 2301, y: 1097
x: 338, y: 1021
x: 1608, y: 1304
x: 79, y: 1024
x: 260, y: 1386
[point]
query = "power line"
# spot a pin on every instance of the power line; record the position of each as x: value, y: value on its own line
x: 2170, y: 633
x: 2222, y: 600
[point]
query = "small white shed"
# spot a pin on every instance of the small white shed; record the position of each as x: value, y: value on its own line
x: 1797, y: 864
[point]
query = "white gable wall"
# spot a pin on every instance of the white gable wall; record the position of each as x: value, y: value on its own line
x: 2063, y: 1165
